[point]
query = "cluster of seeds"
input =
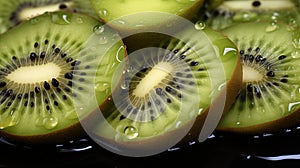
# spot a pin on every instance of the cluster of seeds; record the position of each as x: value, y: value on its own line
x: 51, y: 91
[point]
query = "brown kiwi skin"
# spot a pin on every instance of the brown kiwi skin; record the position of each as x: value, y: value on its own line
x: 56, y: 137
x: 229, y: 92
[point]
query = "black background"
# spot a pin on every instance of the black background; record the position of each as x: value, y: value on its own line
x: 226, y: 151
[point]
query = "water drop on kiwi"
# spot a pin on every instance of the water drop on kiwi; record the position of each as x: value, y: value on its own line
x: 61, y: 18
x: 200, y: 25
x: 101, y: 86
x: 10, y: 120
x: 131, y: 132
x: 98, y: 29
x: 103, y: 12
x: 50, y: 122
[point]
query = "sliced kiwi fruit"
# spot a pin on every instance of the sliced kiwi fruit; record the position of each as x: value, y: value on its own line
x: 45, y: 67
x: 14, y: 12
x: 269, y: 98
x: 113, y: 11
x: 166, y: 91
x: 238, y: 11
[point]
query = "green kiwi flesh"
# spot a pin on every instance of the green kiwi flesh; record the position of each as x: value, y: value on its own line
x: 269, y: 98
x: 45, y: 68
x: 114, y: 11
x: 14, y: 12
x: 238, y: 11
x: 165, y: 91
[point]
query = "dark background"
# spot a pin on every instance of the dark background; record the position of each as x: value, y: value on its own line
x: 226, y: 151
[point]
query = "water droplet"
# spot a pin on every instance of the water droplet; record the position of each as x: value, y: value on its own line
x: 131, y: 132
x: 293, y: 106
x: 61, y: 18
x: 103, y: 12
x: 98, y: 29
x: 200, y: 111
x: 272, y: 27
x: 238, y: 123
x: 103, y: 40
x: 101, y: 86
x: 178, y: 124
x: 50, y: 122
x: 200, y: 25
x: 9, y: 120
x: 125, y: 85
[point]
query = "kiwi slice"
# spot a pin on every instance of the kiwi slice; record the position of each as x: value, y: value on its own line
x: 238, y: 11
x: 45, y: 67
x: 13, y: 12
x: 166, y: 91
x: 269, y: 98
x: 113, y: 12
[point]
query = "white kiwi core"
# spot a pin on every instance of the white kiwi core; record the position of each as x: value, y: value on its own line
x: 34, y: 74
x: 30, y: 12
x: 251, y: 75
x: 153, y: 78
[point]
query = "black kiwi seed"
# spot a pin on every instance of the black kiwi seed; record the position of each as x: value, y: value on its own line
x: 46, y: 85
x: 194, y: 63
x: 36, y: 44
x: 37, y: 90
x: 63, y: 55
x: 33, y: 56
x: 43, y: 54
x: 64, y: 97
x: 281, y: 57
x: 2, y: 84
x: 63, y: 6
x: 271, y: 74
x: 69, y: 75
x: 284, y: 80
x: 57, y: 50
x: 54, y: 82
x: 69, y: 60
x: 256, y: 3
